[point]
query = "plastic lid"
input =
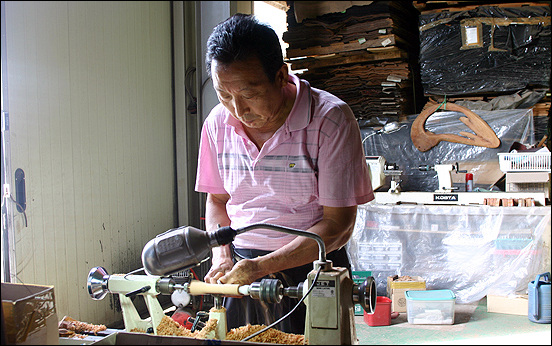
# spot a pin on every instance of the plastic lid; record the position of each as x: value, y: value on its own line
x: 430, y: 295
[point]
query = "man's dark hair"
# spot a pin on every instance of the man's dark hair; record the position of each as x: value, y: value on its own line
x: 241, y: 37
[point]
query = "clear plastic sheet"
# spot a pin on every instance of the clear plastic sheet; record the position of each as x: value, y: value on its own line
x: 471, y: 250
x: 513, y: 125
x: 485, y: 50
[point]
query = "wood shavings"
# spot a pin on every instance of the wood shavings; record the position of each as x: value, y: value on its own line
x: 213, y: 309
x: 170, y: 327
x: 403, y: 278
x: 272, y: 335
x: 70, y: 324
x: 64, y: 333
x: 137, y: 330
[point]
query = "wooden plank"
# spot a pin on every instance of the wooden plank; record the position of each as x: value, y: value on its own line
x: 389, y: 53
x: 382, y: 41
x: 454, y: 6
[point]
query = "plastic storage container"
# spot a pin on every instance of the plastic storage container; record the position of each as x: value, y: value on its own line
x: 430, y: 307
x: 524, y: 162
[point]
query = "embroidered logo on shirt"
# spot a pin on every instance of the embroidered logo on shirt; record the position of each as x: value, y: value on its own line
x: 291, y: 165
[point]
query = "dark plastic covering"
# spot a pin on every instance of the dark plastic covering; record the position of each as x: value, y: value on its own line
x: 512, y: 52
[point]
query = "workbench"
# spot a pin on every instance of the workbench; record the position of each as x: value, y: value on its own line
x: 473, y: 325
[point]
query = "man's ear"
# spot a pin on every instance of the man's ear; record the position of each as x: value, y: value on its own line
x: 282, y: 76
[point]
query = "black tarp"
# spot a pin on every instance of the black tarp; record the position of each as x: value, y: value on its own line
x: 513, y: 52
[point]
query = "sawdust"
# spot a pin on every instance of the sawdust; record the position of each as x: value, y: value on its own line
x: 137, y: 330
x: 272, y: 335
x: 222, y: 309
x: 403, y: 278
x: 170, y: 327
x: 69, y: 325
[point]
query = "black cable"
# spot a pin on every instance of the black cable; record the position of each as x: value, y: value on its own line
x: 20, y: 207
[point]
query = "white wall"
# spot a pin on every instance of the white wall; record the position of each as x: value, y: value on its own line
x: 91, y: 124
x: 108, y: 163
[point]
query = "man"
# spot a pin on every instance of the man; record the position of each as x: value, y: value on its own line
x: 274, y: 151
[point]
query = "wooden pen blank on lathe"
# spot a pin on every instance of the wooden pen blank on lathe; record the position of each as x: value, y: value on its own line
x: 199, y: 287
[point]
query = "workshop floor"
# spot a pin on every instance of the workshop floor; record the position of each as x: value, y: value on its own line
x: 472, y: 325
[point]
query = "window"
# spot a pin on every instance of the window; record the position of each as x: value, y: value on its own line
x: 273, y: 13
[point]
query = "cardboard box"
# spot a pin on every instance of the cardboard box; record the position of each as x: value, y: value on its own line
x: 29, y: 314
x: 396, y: 289
x: 528, y: 182
x: 358, y: 278
x: 515, y: 305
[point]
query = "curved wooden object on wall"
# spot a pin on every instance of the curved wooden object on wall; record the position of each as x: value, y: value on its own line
x: 424, y: 140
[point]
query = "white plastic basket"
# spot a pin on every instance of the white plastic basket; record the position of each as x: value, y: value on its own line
x: 524, y: 162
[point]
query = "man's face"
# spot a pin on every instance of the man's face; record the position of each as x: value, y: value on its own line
x: 244, y: 89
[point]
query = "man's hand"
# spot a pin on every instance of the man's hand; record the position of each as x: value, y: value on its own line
x: 221, y: 261
x: 221, y: 264
x: 217, y: 271
x: 245, y: 272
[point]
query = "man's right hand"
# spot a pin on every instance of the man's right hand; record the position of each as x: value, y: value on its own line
x: 221, y: 263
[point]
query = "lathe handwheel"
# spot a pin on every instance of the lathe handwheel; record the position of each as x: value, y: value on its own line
x: 365, y: 295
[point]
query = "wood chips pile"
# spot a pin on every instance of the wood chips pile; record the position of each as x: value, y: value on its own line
x: 272, y: 336
x: 170, y: 327
x: 71, y: 328
x: 403, y: 278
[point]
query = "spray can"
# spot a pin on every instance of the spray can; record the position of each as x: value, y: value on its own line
x: 469, y: 182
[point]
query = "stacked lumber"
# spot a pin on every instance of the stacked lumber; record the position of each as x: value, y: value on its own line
x: 366, y: 55
x: 379, y: 90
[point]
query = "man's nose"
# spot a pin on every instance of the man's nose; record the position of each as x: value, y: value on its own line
x: 239, y: 107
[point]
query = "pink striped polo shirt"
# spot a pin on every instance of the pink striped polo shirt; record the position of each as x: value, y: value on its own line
x: 314, y: 159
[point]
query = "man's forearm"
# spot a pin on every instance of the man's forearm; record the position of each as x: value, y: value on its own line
x: 215, y: 213
x: 334, y: 231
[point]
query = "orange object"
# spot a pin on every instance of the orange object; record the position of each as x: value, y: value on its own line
x: 181, y: 317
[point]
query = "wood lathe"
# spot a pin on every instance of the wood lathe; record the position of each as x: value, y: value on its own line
x: 328, y: 292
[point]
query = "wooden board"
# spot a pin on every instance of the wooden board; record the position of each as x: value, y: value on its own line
x: 382, y: 41
x: 389, y: 53
x: 426, y: 7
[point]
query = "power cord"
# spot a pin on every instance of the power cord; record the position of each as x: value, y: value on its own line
x: 387, y: 129
x: 7, y: 196
x: 290, y: 312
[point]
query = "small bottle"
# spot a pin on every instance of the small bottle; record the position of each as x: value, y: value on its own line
x: 469, y: 182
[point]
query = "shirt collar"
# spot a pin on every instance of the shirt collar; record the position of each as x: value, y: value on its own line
x: 300, y: 115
